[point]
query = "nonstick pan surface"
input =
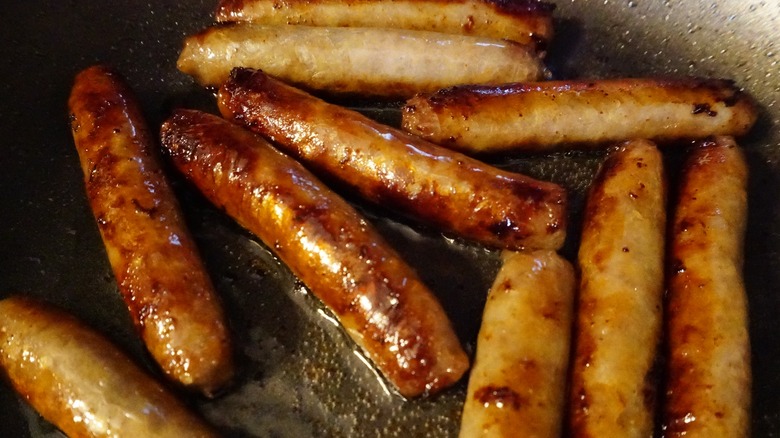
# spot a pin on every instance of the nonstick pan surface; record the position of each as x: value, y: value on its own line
x: 299, y: 374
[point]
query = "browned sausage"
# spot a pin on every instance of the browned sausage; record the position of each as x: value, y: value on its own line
x: 553, y: 115
x: 339, y: 256
x: 364, y: 61
x: 619, y: 323
x: 161, y: 277
x: 708, y: 390
x: 517, y: 385
x: 526, y: 21
x: 432, y: 184
x: 76, y: 379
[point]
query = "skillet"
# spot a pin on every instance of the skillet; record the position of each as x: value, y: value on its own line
x: 300, y: 376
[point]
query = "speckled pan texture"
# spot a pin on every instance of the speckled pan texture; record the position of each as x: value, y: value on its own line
x: 299, y: 375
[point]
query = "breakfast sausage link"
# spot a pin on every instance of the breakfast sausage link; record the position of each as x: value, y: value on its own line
x: 517, y: 385
x: 386, y: 166
x: 527, y: 22
x: 154, y: 259
x: 365, y: 61
x: 553, y: 115
x: 708, y: 388
x: 80, y: 382
x: 336, y: 253
x: 619, y: 322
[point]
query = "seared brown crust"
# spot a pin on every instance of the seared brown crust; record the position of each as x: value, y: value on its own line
x: 155, y: 261
x: 619, y: 323
x: 708, y: 391
x: 383, y: 62
x: 517, y: 385
x: 378, y: 299
x: 564, y: 114
x: 434, y: 185
x: 80, y: 382
x: 524, y: 21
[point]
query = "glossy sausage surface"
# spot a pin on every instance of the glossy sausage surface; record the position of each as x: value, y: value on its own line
x: 80, y: 382
x: 527, y: 22
x: 154, y: 259
x: 429, y: 183
x: 554, y: 115
x: 364, y: 61
x: 708, y: 389
x: 619, y: 321
x: 517, y: 386
x: 338, y: 255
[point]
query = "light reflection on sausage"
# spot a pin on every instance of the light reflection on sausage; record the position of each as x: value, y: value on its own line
x: 709, y: 378
x: 545, y: 116
x: 385, y: 166
x: 80, y: 382
x: 337, y: 254
x: 619, y: 321
x: 526, y: 22
x: 365, y: 61
x: 154, y: 259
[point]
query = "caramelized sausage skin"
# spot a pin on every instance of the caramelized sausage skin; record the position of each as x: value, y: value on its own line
x: 555, y: 115
x: 336, y: 253
x: 517, y: 386
x: 80, y: 382
x: 154, y: 259
x: 709, y: 377
x: 429, y: 183
x: 526, y: 22
x: 619, y: 321
x: 391, y: 63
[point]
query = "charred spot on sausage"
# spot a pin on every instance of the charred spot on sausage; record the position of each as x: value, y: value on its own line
x: 703, y: 108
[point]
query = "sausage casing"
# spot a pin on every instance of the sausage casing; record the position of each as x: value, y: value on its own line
x: 562, y: 114
x: 619, y: 322
x: 429, y: 183
x: 154, y: 259
x: 365, y: 61
x: 517, y: 385
x: 80, y: 382
x: 527, y: 22
x: 709, y: 377
x: 338, y: 255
